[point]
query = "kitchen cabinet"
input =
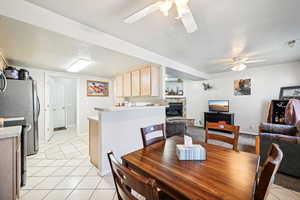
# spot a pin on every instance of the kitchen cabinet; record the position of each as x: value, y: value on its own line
x: 94, y: 138
x: 127, y: 84
x: 10, y: 168
x: 119, y: 86
x: 143, y: 81
x: 2, y: 64
x: 135, y: 83
x: 146, y: 81
x: 155, y: 81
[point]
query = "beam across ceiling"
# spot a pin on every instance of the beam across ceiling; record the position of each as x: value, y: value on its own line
x: 32, y: 14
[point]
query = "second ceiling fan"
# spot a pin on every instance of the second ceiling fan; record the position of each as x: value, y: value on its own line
x: 183, y: 10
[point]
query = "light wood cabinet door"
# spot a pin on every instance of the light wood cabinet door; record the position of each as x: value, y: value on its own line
x: 119, y: 86
x: 127, y: 84
x: 155, y: 81
x: 1, y: 64
x: 146, y: 81
x: 135, y: 83
x: 94, y: 148
x: 9, y: 169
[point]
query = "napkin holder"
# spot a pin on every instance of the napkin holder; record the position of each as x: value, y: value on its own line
x: 194, y: 152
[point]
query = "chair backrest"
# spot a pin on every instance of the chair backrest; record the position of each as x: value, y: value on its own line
x: 127, y: 181
x: 223, y: 127
x: 268, y: 172
x: 153, y: 134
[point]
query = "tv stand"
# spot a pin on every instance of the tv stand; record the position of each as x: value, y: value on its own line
x: 218, y: 117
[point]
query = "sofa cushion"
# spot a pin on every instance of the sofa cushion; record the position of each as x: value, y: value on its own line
x: 278, y: 128
x: 281, y: 137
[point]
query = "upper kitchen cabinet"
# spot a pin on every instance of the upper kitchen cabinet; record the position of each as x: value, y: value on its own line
x: 155, y: 80
x: 135, y: 83
x: 119, y: 86
x: 2, y: 63
x: 146, y: 81
x: 143, y: 81
x: 127, y: 84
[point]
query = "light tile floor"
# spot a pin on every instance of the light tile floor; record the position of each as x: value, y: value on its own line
x: 61, y: 170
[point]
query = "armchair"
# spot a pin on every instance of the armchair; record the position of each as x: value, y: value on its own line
x: 286, y: 137
x: 175, y: 127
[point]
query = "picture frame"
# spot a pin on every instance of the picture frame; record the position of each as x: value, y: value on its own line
x: 97, y: 88
x: 242, y: 87
x: 292, y: 92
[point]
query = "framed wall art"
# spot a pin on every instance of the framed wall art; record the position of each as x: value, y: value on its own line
x: 287, y: 93
x: 97, y: 88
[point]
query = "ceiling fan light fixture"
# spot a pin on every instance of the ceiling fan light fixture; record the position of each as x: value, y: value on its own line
x: 239, y: 67
x: 165, y: 7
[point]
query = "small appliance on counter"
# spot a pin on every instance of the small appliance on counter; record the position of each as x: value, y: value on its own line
x: 24, y: 74
x: 11, y: 73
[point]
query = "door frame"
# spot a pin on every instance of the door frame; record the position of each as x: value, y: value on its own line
x: 47, y: 100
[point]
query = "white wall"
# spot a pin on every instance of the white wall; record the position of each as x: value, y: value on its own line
x: 249, y: 110
x: 86, y: 104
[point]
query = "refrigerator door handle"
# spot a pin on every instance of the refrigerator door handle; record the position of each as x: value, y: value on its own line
x: 38, y: 105
x: 28, y: 127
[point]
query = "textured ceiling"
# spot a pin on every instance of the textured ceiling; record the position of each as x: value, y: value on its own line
x: 257, y: 28
x: 29, y: 46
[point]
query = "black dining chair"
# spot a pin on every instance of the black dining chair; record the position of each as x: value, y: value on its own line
x: 153, y: 134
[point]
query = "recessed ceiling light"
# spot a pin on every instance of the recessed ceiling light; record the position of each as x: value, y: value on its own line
x: 79, y: 65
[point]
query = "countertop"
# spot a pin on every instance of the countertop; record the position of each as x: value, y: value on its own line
x: 124, y: 108
x: 12, y: 131
x: 93, y: 118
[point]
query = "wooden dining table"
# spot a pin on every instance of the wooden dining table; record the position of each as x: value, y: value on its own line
x: 225, y: 174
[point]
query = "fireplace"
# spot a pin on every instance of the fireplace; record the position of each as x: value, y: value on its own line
x: 175, y: 109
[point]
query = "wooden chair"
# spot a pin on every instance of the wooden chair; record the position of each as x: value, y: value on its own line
x: 223, y: 127
x: 153, y: 134
x: 127, y: 180
x: 268, y: 172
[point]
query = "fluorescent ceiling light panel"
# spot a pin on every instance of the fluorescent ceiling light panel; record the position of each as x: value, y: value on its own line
x: 79, y: 65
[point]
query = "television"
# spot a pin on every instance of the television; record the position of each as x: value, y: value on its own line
x: 218, y: 105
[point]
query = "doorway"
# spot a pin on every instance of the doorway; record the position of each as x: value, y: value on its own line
x: 62, y: 106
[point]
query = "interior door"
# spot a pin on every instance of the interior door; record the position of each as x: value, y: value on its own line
x: 49, y: 85
x: 59, y: 109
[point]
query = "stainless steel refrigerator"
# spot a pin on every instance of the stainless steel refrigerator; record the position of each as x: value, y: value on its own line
x: 20, y: 100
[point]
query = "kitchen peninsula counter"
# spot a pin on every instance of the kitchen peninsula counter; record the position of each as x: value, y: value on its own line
x: 117, y: 129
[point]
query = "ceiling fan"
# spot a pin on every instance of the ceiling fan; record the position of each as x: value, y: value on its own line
x: 183, y: 11
x: 239, y: 63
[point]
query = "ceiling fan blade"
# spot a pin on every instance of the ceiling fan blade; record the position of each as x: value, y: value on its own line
x: 142, y: 13
x: 222, y: 61
x: 189, y: 21
x: 256, y: 61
